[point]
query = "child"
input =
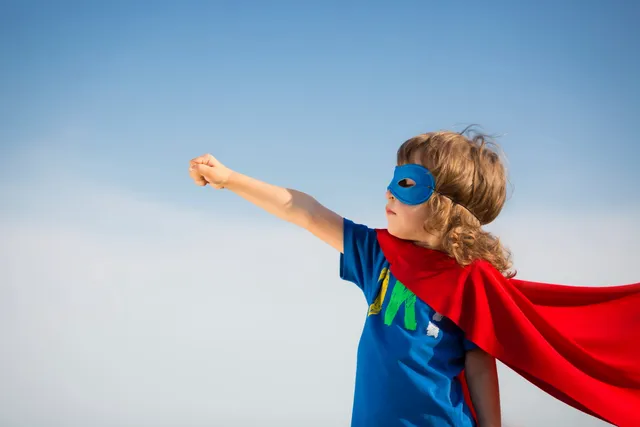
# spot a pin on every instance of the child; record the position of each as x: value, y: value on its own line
x: 442, y: 303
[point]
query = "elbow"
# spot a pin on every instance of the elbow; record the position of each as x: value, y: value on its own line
x: 298, y: 208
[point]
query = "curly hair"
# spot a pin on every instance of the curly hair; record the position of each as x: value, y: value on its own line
x: 471, y: 189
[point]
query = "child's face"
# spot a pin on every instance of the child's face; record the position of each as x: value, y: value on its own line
x: 407, y: 221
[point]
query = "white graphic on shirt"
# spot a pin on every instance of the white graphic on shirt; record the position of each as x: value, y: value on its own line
x: 433, y: 330
x: 437, y: 317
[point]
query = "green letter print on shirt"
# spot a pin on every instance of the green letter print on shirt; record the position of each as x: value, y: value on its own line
x: 399, y: 295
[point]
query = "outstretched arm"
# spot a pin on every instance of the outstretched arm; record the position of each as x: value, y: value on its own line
x: 482, y: 379
x: 287, y: 204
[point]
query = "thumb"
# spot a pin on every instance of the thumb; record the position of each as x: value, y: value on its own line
x: 200, y: 173
x: 201, y: 169
x: 206, y: 159
x: 207, y: 175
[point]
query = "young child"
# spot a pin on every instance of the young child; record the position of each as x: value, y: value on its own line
x: 442, y: 304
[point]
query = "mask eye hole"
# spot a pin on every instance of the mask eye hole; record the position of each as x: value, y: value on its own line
x: 407, y: 182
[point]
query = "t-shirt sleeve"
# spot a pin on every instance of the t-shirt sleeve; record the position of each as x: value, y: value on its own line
x: 362, y: 259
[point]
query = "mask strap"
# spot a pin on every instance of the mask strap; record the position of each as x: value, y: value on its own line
x: 459, y: 204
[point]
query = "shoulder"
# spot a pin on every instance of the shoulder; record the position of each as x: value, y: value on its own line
x: 482, y: 273
x: 360, y: 239
x: 359, y: 232
x: 480, y: 265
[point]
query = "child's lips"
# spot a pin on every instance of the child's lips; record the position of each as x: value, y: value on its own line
x: 390, y: 212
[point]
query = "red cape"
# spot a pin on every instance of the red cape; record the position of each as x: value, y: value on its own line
x: 578, y: 344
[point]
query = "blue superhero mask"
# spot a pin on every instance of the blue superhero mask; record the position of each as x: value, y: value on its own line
x: 416, y: 192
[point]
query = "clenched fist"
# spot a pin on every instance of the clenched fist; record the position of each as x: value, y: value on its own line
x: 207, y: 169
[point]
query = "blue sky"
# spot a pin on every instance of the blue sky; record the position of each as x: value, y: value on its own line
x: 109, y: 253
x: 319, y: 95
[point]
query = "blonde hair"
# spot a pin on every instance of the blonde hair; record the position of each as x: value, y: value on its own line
x: 471, y: 189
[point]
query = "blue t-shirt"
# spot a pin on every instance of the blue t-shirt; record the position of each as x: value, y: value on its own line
x: 409, y: 356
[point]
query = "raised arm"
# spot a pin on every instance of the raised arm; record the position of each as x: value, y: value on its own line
x: 287, y: 204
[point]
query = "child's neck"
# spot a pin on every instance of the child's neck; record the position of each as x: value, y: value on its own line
x: 430, y: 241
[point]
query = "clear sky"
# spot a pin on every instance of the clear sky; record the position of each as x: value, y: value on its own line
x: 109, y: 253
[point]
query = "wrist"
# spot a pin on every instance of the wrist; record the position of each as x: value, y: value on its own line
x: 228, y: 180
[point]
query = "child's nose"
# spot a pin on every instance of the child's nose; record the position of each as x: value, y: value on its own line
x: 389, y: 195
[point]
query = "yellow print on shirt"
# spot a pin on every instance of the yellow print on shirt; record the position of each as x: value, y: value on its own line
x: 377, y: 304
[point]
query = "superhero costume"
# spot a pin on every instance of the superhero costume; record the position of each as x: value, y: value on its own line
x: 578, y: 344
